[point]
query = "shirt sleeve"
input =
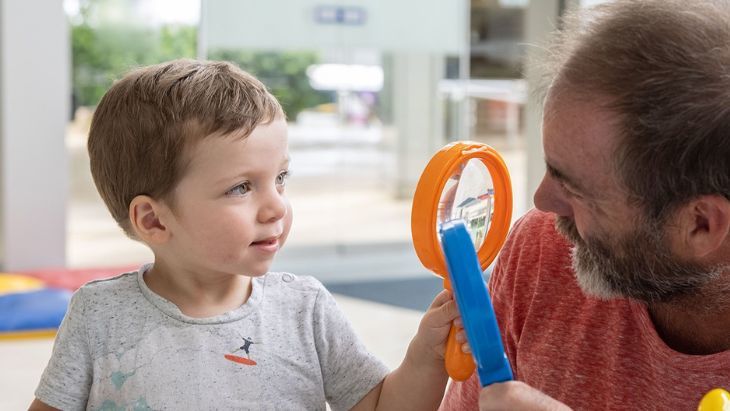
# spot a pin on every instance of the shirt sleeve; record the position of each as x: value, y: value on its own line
x: 66, y: 381
x: 349, y: 370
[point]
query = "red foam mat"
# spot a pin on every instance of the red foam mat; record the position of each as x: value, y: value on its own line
x: 72, y: 279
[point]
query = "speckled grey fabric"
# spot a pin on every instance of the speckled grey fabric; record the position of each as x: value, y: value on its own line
x: 121, y: 346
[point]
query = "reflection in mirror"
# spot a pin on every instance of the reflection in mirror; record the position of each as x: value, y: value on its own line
x: 469, y: 195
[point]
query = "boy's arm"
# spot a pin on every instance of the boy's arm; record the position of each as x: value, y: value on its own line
x: 38, y: 405
x: 419, y: 382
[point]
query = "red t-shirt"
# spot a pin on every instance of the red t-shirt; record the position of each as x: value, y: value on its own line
x: 589, y: 354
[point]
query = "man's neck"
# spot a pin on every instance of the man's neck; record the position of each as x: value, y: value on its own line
x: 696, y: 325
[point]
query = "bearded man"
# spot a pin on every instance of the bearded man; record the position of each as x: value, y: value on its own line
x: 615, y: 293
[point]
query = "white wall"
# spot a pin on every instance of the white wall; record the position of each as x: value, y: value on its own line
x: 541, y: 19
x: 34, y: 109
x: 435, y: 26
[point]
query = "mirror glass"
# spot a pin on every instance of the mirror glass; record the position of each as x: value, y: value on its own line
x: 469, y: 195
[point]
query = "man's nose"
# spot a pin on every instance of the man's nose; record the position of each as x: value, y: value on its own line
x: 549, y: 197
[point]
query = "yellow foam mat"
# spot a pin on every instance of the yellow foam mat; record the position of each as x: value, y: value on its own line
x: 14, y: 283
x: 25, y: 335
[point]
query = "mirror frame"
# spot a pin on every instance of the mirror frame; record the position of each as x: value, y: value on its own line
x: 428, y: 195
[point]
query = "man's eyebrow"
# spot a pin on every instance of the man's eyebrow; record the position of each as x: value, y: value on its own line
x: 560, y: 176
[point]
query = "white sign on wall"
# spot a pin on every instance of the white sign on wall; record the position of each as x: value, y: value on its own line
x: 388, y: 25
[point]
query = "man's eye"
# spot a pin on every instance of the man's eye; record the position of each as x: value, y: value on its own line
x: 570, y: 192
x: 240, y: 189
x: 282, y: 177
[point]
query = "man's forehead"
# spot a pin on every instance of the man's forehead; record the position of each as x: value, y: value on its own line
x: 578, y: 119
x: 579, y: 139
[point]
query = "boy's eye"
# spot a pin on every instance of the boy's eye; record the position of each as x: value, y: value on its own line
x: 281, y: 178
x: 240, y: 189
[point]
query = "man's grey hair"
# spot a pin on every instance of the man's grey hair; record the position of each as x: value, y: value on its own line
x: 664, y: 68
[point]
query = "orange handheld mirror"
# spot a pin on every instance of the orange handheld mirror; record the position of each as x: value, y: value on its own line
x: 468, y: 181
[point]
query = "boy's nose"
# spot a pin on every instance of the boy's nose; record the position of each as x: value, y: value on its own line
x: 274, y: 207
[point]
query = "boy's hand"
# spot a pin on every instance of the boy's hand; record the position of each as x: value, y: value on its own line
x: 429, y: 344
x: 419, y: 382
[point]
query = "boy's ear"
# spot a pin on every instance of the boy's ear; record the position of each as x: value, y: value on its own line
x: 705, y: 225
x: 145, y: 217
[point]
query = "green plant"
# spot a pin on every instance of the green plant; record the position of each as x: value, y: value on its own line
x: 284, y: 73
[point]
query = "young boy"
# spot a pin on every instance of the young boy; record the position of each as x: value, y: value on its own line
x: 191, y: 159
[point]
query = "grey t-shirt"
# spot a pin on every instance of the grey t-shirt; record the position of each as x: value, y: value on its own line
x: 289, y: 347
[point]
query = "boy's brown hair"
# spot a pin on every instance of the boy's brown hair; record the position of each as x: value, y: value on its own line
x: 144, y: 124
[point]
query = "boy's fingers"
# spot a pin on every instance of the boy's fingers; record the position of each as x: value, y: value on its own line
x: 441, y: 298
x: 446, y: 313
x: 466, y: 348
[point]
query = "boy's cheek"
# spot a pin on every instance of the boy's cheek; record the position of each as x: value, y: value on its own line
x: 287, y: 226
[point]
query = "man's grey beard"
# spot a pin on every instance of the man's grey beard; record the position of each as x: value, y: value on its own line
x: 637, y: 265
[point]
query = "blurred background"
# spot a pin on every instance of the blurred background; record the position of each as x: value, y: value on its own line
x: 371, y: 89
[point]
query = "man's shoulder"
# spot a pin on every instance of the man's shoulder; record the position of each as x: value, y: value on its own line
x: 536, y: 222
x: 533, y: 234
x: 535, y: 250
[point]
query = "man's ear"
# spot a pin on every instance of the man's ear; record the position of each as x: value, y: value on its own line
x: 705, y: 225
x: 145, y: 215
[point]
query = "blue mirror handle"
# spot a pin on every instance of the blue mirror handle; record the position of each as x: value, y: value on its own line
x: 475, y: 306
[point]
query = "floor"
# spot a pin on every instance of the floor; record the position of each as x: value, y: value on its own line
x: 348, y: 232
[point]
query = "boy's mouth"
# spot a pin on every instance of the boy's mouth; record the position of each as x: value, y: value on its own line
x: 266, y: 241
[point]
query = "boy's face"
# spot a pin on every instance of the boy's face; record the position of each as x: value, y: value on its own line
x: 231, y: 213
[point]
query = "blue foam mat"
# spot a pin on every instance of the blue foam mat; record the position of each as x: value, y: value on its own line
x: 33, y: 310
